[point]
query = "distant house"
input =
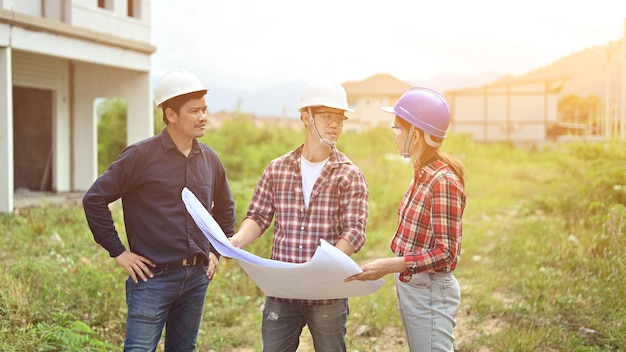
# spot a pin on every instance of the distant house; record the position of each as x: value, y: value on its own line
x: 367, y: 97
x: 518, y: 111
x: 57, y: 58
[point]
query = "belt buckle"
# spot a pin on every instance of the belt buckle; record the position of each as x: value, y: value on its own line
x: 186, y: 261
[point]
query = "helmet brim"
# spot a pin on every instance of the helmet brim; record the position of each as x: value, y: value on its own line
x: 328, y: 106
x: 177, y: 94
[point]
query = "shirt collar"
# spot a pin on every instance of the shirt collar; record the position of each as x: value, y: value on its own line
x: 334, y: 160
x: 168, y: 143
x: 431, y: 168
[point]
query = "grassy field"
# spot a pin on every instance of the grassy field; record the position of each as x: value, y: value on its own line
x: 542, y: 266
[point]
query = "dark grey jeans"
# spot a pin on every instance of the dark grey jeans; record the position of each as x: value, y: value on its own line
x: 283, y: 323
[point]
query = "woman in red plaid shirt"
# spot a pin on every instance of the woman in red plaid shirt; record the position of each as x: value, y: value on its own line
x: 313, y: 192
x: 427, y: 243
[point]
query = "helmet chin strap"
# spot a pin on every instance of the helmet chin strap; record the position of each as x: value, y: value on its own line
x: 325, y: 142
x: 407, y: 144
x: 429, y: 140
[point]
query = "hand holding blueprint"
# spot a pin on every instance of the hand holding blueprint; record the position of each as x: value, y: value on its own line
x: 319, y: 278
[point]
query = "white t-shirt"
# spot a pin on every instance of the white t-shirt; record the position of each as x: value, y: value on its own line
x: 310, y: 172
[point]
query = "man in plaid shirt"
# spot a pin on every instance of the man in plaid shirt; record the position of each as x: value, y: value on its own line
x: 313, y: 192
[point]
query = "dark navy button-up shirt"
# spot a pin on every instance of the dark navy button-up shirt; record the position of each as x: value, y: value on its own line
x: 149, y: 177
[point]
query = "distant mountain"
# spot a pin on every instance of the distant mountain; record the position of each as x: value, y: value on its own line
x: 274, y: 101
x: 586, y: 70
x: 442, y: 83
x: 282, y: 100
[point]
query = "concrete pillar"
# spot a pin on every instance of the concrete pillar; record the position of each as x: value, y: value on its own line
x: 140, y: 113
x: 6, y: 131
x: 85, y: 127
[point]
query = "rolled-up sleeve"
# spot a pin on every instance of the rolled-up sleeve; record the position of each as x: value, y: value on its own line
x: 354, y: 204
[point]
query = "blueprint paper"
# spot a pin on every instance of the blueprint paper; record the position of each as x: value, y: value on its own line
x: 319, y: 278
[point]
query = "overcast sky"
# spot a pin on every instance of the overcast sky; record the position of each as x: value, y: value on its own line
x: 246, y: 44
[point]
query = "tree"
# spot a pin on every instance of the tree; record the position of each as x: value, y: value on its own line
x: 574, y: 109
x: 111, y: 131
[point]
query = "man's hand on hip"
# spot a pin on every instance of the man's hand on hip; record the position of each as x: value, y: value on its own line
x: 135, y: 265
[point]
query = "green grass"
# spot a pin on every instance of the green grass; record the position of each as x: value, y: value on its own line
x: 541, y: 270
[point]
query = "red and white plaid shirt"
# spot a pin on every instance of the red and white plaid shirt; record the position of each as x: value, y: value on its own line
x: 338, y: 207
x: 430, y: 220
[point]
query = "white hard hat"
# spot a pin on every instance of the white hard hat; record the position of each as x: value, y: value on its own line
x: 324, y: 92
x: 175, y: 83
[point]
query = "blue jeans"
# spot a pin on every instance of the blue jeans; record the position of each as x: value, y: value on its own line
x: 283, y: 323
x: 174, y: 299
x: 428, y: 305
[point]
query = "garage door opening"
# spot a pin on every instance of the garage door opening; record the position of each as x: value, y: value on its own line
x: 32, y: 139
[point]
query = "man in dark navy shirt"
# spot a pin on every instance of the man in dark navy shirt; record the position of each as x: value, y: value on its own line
x: 169, y: 260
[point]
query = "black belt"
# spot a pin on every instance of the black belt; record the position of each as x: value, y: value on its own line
x: 197, y: 259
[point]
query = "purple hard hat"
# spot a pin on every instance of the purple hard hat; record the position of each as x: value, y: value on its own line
x: 425, y: 109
